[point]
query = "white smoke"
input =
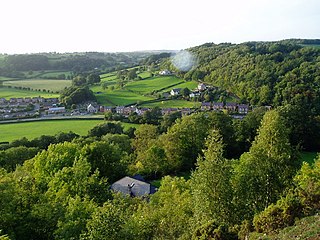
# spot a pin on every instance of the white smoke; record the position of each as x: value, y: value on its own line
x: 183, y: 60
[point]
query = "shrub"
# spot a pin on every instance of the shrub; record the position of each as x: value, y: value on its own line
x: 279, y: 215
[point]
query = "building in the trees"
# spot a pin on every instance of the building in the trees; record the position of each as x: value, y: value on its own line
x: 205, y: 106
x: 243, y: 108
x: 202, y: 87
x: 134, y: 186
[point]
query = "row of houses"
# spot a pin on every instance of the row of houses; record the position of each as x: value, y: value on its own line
x: 28, y: 100
x: 219, y: 106
x: 126, y: 111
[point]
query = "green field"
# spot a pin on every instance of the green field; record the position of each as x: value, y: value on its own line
x: 172, y: 104
x: 154, y: 83
x: 51, y: 85
x: 191, y: 85
x: 138, y: 91
x: 144, y: 75
x: 5, y: 78
x: 17, y: 93
x: 35, y: 129
x: 54, y: 74
x: 107, y: 75
x: 109, y: 78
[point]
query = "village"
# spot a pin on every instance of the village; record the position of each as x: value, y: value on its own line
x: 21, y: 108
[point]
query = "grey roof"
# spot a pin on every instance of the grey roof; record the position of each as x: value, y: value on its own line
x: 133, y: 187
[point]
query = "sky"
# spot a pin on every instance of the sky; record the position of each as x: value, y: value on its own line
x: 33, y: 26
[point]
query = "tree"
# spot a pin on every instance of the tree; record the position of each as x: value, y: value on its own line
x: 185, y: 92
x: 211, y: 184
x: 93, y: 78
x: 104, y: 128
x: 262, y: 174
x: 132, y: 74
x: 106, y: 158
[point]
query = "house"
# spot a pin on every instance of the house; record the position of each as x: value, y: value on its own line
x: 175, y: 91
x: 134, y: 186
x: 217, y: 106
x: 165, y: 72
x: 91, y: 109
x: 201, y: 87
x: 243, y: 108
x: 205, y: 106
x: 13, y: 100
x: 57, y: 110
x: 108, y: 109
x: 27, y: 100
x: 128, y: 110
x: 120, y: 110
x: 141, y: 111
x: 165, y: 111
x: 231, y: 107
x: 185, y: 111
x: 3, y: 101
x: 194, y: 94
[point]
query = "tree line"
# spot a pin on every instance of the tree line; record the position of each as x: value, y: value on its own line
x: 245, y: 175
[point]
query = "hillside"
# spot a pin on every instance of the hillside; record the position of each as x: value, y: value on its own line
x: 261, y: 73
x: 307, y: 228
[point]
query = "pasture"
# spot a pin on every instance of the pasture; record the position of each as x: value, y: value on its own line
x: 31, y: 130
x: 19, y: 93
x: 153, y: 84
x: 51, y: 85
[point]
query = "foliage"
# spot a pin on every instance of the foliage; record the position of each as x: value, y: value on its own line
x: 211, y: 185
x: 76, y: 95
x: 104, y: 128
x: 308, y: 186
x: 279, y: 215
x: 262, y: 174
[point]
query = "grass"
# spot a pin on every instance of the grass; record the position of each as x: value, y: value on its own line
x: 17, y: 93
x: 191, y: 85
x: 51, y: 85
x: 109, y: 78
x: 155, y: 83
x: 144, y: 75
x: 54, y: 74
x: 31, y: 130
x: 305, y: 228
x: 172, y: 104
x: 5, y: 78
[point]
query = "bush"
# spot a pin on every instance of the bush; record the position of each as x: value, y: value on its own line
x: 279, y: 215
x: 212, y: 230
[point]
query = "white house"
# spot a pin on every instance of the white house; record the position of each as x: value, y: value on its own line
x: 165, y: 72
x: 202, y: 87
x: 57, y: 110
x: 175, y: 91
x: 91, y: 109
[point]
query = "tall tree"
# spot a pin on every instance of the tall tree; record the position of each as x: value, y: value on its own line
x: 267, y: 169
x: 211, y: 185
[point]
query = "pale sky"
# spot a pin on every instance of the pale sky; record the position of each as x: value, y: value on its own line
x: 31, y: 26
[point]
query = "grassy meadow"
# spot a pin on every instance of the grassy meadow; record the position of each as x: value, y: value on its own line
x: 51, y: 85
x: 140, y: 90
x: 19, y: 93
x: 146, y: 86
x: 30, y: 130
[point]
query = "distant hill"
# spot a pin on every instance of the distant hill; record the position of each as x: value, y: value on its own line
x: 260, y: 73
